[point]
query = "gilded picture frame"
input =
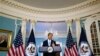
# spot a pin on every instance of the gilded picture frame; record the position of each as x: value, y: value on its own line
x: 5, y: 39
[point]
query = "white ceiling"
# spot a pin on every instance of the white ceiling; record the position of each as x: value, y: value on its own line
x: 50, y: 4
x: 15, y: 10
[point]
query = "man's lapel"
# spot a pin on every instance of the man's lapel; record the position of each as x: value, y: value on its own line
x: 47, y: 43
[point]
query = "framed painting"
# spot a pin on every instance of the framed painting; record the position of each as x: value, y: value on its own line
x: 5, y: 39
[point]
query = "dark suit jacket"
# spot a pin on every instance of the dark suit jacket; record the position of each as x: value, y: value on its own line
x: 45, y: 43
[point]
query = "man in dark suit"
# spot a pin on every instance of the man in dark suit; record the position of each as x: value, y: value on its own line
x: 50, y: 43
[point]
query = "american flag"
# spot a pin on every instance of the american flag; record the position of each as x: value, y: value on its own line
x: 70, y: 49
x: 17, y: 48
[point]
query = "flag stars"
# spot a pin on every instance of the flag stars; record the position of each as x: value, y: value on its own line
x: 18, y: 40
x: 69, y: 42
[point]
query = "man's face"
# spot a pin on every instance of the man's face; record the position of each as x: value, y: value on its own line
x: 50, y: 36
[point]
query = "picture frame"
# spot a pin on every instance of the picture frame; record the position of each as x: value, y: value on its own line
x: 5, y: 39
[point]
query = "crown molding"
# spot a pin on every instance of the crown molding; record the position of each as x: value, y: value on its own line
x: 24, y: 7
x: 16, y: 9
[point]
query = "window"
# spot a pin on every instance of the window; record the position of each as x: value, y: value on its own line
x: 94, y: 37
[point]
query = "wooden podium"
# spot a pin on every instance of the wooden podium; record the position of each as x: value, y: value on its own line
x: 56, y: 49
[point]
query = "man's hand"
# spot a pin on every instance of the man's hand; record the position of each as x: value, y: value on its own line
x: 53, y: 45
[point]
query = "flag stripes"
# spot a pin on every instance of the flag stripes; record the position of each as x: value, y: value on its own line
x: 71, y: 52
x: 16, y: 51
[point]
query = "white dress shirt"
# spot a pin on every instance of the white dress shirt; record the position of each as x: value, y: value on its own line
x: 49, y: 42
